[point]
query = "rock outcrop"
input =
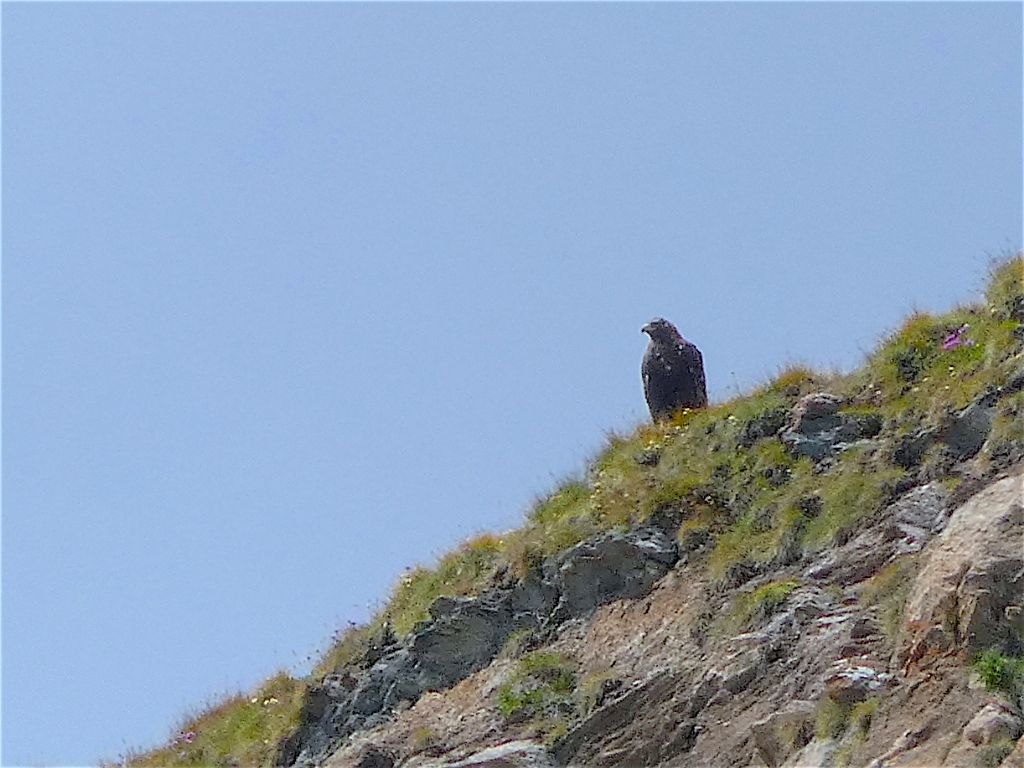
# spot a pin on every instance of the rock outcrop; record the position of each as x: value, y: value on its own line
x: 463, y: 635
x: 969, y: 594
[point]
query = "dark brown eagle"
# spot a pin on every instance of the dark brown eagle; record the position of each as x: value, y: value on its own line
x: 673, y: 371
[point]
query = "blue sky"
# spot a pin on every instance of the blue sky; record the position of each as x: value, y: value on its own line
x: 295, y: 296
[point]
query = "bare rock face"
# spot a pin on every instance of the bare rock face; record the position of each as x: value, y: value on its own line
x: 905, y: 527
x: 967, y: 595
x: 511, y: 754
x: 608, y: 568
x: 464, y: 634
x: 851, y: 683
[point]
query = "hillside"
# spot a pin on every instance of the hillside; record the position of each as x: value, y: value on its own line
x: 826, y: 571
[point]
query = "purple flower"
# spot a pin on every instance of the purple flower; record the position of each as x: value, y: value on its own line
x: 189, y: 737
x: 955, y: 339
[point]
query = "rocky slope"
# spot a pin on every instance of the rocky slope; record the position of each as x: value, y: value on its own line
x: 813, y: 680
x: 826, y: 572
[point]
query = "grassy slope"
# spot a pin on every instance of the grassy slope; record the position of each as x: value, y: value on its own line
x: 746, y: 494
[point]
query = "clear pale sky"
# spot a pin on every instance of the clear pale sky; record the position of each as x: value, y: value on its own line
x: 295, y: 296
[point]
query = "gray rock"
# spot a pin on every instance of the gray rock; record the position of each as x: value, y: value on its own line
x: 819, y: 753
x: 852, y: 683
x: 577, y: 746
x: 815, y: 412
x: 762, y: 426
x: 609, y: 567
x: 372, y: 757
x: 817, y: 429
x: 511, y: 754
x: 463, y: 634
x: 969, y: 428
x: 739, y: 677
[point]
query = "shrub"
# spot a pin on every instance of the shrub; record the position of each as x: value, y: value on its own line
x: 992, y: 755
x: 1000, y: 673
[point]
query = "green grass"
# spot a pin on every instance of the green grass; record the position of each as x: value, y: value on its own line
x: 851, y: 723
x: 591, y: 691
x: 831, y: 719
x: 855, y: 489
x: 541, y: 686
x: 424, y: 738
x: 517, y: 644
x: 239, y: 730
x: 914, y: 381
x: 1004, y: 295
x: 466, y: 571
x: 554, y: 524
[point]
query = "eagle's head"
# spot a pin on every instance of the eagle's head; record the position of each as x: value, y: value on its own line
x: 661, y: 330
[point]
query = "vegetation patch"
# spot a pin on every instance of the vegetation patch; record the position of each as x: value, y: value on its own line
x: 467, y: 571
x: 541, y: 687
x: 424, y: 738
x: 1004, y: 674
x: 831, y: 719
x: 935, y: 364
x: 853, y: 730
x: 239, y: 730
x: 592, y: 691
x: 518, y: 643
x: 1005, y: 293
x: 855, y: 489
x: 758, y: 604
x: 554, y: 524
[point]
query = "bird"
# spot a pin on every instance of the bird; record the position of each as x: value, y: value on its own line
x: 672, y: 370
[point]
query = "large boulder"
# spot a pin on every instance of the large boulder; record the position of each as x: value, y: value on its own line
x: 968, y: 593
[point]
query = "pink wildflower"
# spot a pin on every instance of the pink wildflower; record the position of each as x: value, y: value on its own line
x: 955, y: 339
